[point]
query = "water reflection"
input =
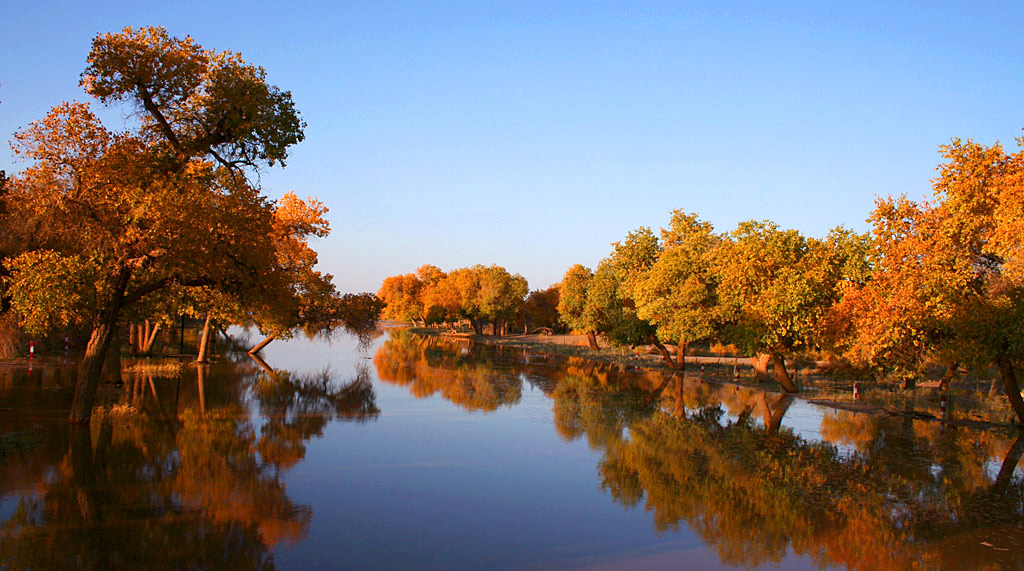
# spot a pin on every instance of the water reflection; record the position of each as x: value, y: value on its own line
x: 428, y: 366
x: 875, y: 492
x: 183, y: 470
x: 187, y: 468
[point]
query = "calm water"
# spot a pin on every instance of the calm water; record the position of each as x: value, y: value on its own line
x: 416, y: 453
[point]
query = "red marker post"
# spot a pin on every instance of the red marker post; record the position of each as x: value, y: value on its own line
x: 31, y: 349
x: 856, y: 391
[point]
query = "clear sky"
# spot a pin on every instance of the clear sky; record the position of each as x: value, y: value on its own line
x: 534, y: 134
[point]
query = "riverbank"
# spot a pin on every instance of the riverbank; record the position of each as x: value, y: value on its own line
x: 977, y: 403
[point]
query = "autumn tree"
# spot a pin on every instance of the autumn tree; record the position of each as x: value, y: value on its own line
x: 678, y: 294
x: 976, y: 245
x: 294, y: 295
x: 947, y: 282
x: 430, y: 277
x: 616, y: 287
x: 478, y: 294
x: 776, y: 286
x: 601, y: 302
x: 893, y: 321
x: 572, y: 303
x: 540, y: 308
x: 402, y: 297
x: 127, y: 214
x: 500, y: 295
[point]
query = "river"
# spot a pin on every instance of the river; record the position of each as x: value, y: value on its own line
x: 415, y: 452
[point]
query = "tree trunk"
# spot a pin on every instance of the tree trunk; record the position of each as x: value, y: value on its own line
x: 475, y: 324
x: 112, y: 363
x: 592, y: 340
x: 664, y: 353
x: 96, y: 351
x: 147, y: 348
x: 204, y: 342
x: 782, y: 375
x: 1011, y: 387
x: 947, y: 378
x: 89, y: 373
x: 760, y: 364
x: 263, y: 344
x: 681, y: 355
x: 133, y: 335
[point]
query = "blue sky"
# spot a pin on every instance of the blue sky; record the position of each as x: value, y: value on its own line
x: 532, y: 135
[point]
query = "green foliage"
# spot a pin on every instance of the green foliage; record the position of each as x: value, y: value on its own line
x: 52, y: 290
x: 197, y: 101
x: 572, y: 300
x: 775, y: 287
x: 678, y: 294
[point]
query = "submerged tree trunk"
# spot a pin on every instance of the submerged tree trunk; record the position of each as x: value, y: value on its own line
x: 782, y: 375
x: 204, y: 342
x: 760, y: 364
x: 96, y: 351
x: 1010, y: 386
x: 263, y: 344
x: 89, y: 373
x: 592, y: 340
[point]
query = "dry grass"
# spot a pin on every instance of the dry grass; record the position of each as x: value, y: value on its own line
x: 154, y: 368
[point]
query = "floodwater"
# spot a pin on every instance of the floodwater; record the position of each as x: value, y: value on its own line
x: 413, y: 452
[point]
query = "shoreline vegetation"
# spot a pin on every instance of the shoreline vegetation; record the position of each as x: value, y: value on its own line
x: 979, y: 403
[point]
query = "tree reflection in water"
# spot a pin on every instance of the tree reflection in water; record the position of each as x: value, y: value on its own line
x: 458, y: 372
x: 877, y: 492
x: 178, y: 474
